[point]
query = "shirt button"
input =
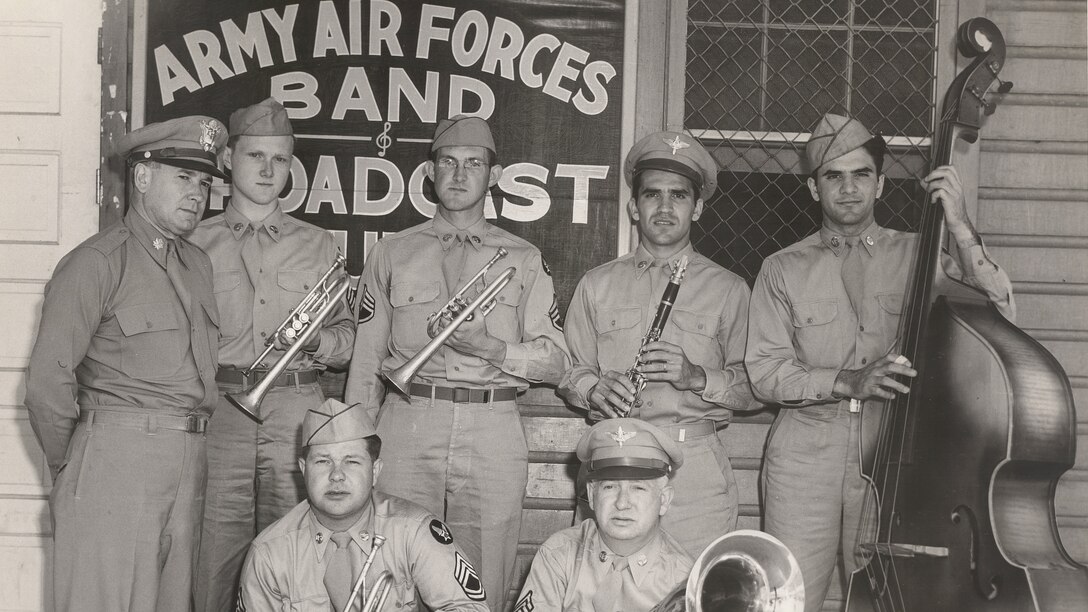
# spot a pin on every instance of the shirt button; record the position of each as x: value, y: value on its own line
x: 864, y: 360
x: 263, y: 334
x: 411, y: 299
x: 861, y: 327
x: 819, y: 396
x: 262, y: 300
x: 980, y: 262
x: 149, y: 324
x: 700, y: 326
x: 808, y: 320
x: 613, y: 322
x: 456, y: 368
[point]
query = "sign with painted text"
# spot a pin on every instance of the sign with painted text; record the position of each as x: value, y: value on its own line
x: 366, y: 81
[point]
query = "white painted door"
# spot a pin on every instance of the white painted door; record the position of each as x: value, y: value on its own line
x: 49, y: 155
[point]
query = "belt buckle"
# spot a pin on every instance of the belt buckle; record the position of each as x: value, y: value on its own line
x: 461, y: 395
x: 195, y: 423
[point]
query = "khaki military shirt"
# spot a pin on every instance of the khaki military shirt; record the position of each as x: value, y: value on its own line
x: 285, y: 568
x: 263, y: 270
x: 573, y: 563
x: 115, y: 333
x: 611, y: 312
x: 403, y: 283
x: 803, y: 330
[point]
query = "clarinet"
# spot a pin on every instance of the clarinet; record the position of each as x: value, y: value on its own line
x: 664, y: 307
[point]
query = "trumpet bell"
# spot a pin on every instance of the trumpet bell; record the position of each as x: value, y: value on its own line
x: 742, y: 571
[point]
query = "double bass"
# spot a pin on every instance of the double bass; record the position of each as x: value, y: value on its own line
x: 962, y: 470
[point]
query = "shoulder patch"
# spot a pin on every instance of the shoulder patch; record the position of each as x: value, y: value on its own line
x: 553, y: 313
x: 544, y: 265
x: 440, y: 532
x: 467, y: 577
x: 366, y: 305
x: 525, y: 604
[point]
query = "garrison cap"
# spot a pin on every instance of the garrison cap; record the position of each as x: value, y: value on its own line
x: 463, y: 131
x: 677, y: 153
x: 834, y: 137
x: 334, y: 422
x: 267, y: 118
x: 190, y: 142
x: 627, y: 449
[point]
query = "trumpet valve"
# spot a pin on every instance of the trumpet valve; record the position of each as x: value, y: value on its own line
x: 303, y: 318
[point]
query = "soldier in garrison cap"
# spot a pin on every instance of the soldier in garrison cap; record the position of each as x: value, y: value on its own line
x: 463, y: 399
x: 623, y: 559
x: 695, y: 373
x: 311, y: 559
x: 824, y: 349
x: 265, y: 262
x: 121, y: 382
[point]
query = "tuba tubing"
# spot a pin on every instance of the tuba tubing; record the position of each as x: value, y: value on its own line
x: 743, y: 570
x: 402, y: 377
x: 249, y: 400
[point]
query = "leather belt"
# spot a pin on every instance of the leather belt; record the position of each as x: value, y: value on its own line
x: 149, y: 421
x: 231, y: 376
x: 460, y: 395
x: 683, y: 432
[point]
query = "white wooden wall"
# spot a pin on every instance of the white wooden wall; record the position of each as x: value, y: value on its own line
x: 49, y: 118
x: 1033, y: 203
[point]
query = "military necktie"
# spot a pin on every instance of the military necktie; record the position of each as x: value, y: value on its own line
x: 609, y: 592
x: 853, y: 275
x: 342, y: 563
x: 177, y: 277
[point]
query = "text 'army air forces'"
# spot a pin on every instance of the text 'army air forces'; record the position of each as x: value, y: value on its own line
x: 495, y: 46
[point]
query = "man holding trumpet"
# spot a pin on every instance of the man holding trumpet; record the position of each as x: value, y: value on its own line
x: 336, y: 548
x: 456, y: 446
x: 265, y: 263
x: 694, y: 374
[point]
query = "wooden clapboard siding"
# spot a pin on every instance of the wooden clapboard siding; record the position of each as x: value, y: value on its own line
x: 1033, y: 204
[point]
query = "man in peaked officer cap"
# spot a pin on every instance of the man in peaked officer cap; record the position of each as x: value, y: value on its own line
x: 442, y: 450
x: 121, y: 382
x: 623, y: 559
x: 823, y: 349
x: 265, y: 262
x: 316, y: 552
x: 694, y: 373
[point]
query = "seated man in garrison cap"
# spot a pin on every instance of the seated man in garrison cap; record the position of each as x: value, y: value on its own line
x: 311, y: 559
x: 121, y: 382
x: 456, y: 443
x: 694, y: 375
x: 623, y: 560
x: 823, y: 348
x: 266, y: 261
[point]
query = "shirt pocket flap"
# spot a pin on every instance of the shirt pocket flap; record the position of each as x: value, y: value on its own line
x: 146, y: 318
x: 618, y: 318
x: 406, y: 294
x: 814, y: 313
x: 891, y: 302
x: 695, y: 322
x: 227, y: 281
x: 299, y: 281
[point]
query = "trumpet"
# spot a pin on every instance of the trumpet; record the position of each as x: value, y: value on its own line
x: 375, y: 599
x: 664, y: 308
x: 743, y: 570
x: 303, y: 322
x: 458, y: 303
x: 402, y: 377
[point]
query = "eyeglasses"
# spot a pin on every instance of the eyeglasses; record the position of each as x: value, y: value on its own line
x: 472, y: 164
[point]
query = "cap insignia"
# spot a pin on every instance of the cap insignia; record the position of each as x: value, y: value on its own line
x: 675, y: 144
x: 209, y: 130
x: 621, y: 436
x: 158, y: 243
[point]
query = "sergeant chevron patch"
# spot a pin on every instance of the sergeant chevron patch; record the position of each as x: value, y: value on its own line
x: 525, y: 604
x: 553, y: 314
x: 366, y: 306
x: 468, y: 579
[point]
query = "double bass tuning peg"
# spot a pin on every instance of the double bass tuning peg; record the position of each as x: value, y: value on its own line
x: 1003, y: 87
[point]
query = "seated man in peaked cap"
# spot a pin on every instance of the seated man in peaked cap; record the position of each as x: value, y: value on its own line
x: 122, y: 379
x: 622, y: 560
x: 312, y: 557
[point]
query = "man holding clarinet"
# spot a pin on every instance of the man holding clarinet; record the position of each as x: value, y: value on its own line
x: 658, y: 334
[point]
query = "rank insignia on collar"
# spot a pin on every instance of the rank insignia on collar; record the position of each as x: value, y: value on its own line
x: 209, y: 130
x: 621, y: 436
x: 158, y: 243
x: 675, y: 144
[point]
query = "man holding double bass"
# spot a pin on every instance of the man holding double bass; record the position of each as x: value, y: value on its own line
x: 694, y: 374
x: 822, y: 341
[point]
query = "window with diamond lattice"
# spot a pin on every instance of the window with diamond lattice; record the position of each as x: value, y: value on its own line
x: 760, y: 73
